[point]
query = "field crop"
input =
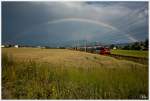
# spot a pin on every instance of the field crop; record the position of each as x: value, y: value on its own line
x: 30, y: 73
x: 134, y: 53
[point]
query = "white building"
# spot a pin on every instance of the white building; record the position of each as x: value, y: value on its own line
x: 2, y: 46
x: 16, y: 46
x: 114, y: 47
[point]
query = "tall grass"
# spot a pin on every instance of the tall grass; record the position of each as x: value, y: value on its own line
x: 35, y: 80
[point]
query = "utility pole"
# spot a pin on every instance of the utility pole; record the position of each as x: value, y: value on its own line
x: 74, y: 44
x: 78, y: 45
x: 85, y: 45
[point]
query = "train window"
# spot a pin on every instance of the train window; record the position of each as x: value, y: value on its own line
x: 97, y: 48
x: 101, y: 48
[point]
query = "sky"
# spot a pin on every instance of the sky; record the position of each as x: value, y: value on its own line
x: 46, y: 23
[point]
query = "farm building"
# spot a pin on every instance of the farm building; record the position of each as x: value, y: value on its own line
x: 114, y: 47
x: 16, y: 46
x: 2, y: 46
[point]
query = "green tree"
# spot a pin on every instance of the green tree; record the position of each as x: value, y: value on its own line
x: 112, y: 46
x: 146, y: 44
x: 136, y: 46
x: 127, y: 47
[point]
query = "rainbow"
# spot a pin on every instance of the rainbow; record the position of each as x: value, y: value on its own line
x: 92, y: 22
x: 83, y: 20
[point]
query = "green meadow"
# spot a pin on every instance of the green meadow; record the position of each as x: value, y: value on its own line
x: 134, y: 53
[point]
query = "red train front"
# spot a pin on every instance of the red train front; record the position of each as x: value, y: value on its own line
x: 104, y: 51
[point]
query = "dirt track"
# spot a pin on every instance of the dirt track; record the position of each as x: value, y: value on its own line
x: 131, y: 58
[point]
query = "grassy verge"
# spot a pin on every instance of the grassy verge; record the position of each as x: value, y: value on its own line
x: 134, y: 53
x: 38, y: 80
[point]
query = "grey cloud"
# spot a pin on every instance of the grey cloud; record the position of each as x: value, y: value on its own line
x: 127, y: 17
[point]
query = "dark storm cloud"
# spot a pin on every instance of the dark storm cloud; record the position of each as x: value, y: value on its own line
x: 50, y: 22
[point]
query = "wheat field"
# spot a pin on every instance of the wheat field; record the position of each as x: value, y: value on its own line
x: 33, y: 73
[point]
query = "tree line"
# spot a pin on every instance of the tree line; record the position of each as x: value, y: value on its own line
x: 142, y: 45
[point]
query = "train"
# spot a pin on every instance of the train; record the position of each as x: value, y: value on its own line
x: 96, y: 49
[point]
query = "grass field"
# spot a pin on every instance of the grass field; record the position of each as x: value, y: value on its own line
x: 134, y: 53
x: 32, y: 73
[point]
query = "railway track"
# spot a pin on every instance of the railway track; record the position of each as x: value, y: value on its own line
x: 141, y: 60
